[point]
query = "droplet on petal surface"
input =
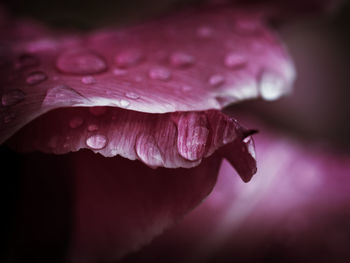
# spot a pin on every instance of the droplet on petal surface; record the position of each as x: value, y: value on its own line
x: 192, y: 136
x: 234, y: 60
x: 119, y: 72
x: 205, y: 32
x: 250, y: 146
x: 128, y: 58
x: 76, y: 122
x: 63, y: 95
x: 148, y: 151
x: 81, y: 62
x: 181, y: 59
x: 132, y: 95
x: 92, y: 127
x: 36, y: 77
x: 96, y: 142
x: 160, y: 73
x: 272, y: 85
x: 88, y: 80
x: 216, y: 80
x: 124, y: 103
x: 12, y: 97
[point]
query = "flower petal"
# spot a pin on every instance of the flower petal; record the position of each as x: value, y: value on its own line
x: 171, y: 140
x: 87, y: 208
x: 196, y: 60
x: 298, y: 204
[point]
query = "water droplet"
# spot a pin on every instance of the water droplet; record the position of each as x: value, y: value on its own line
x: 96, y: 142
x: 186, y: 88
x: 159, y: 73
x: 92, y: 127
x: 81, y: 62
x: 128, y: 58
x: 26, y: 61
x: 36, y: 77
x: 119, y: 72
x: 132, y: 95
x: 124, y: 103
x: 64, y: 96
x: 76, y: 122
x: 272, y: 85
x: 181, y: 59
x: 216, y: 80
x: 234, y: 60
x: 193, y: 133
x: 148, y: 151
x: 10, y: 117
x: 88, y: 80
x: 250, y: 146
x: 12, y: 97
x: 205, y: 32
x: 98, y: 111
x: 42, y: 45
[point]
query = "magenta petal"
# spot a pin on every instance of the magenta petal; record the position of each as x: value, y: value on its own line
x: 88, y: 208
x: 296, y: 210
x: 171, y: 140
x: 196, y: 60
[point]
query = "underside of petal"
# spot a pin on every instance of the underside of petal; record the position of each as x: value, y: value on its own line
x: 170, y: 140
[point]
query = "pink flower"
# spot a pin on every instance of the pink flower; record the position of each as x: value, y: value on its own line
x: 146, y: 99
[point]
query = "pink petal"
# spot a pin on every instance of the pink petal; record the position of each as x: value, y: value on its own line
x: 297, y: 210
x: 87, y: 208
x: 170, y: 140
x: 196, y: 60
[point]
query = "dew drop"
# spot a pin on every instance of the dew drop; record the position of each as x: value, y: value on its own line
x: 205, y: 32
x: 98, y: 111
x: 132, y: 95
x: 186, y: 88
x: 216, y: 80
x: 63, y: 95
x: 272, y: 85
x: 181, y: 59
x: 148, y: 151
x: 128, y: 58
x: 36, y: 77
x: 96, y: 142
x: 92, y: 127
x: 12, y: 97
x: 124, y: 103
x: 119, y: 72
x: 81, y: 62
x: 250, y: 146
x: 76, y: 122
x: 26, y: 61
x: 88, y: 80
x: 234, y: 60
x: 160, y: 73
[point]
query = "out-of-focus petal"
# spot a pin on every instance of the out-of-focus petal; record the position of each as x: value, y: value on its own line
x: 297, y: 210
x: 83, y: 207
x: 196, y: 60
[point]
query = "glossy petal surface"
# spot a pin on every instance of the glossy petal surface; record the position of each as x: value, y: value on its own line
x: 196, y: 60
